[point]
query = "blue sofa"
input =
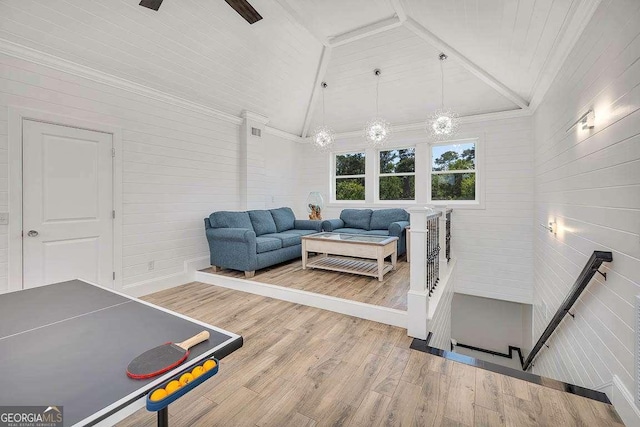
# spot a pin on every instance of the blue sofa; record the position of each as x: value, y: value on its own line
x: 249, y: 241
x: 381, y: 222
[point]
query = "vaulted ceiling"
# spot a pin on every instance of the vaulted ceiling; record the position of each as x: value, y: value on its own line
x: 501, y: 52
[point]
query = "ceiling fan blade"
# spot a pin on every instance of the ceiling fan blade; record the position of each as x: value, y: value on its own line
x: 245, y: 10
x: 151, y: 4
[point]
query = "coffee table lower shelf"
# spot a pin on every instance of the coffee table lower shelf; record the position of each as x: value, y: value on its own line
x: 349, y: 265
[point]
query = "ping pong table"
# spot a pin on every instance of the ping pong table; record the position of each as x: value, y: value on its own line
x: 68, y: 344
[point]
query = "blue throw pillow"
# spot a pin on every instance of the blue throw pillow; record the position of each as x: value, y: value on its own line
x: 262, y: 222
x: 226, y: 219
x: 381, y: 219
x: 356, y: 218
x: 284, y: 219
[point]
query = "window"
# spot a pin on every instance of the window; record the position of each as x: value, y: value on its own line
x: 397, y: 177
x: 453, y: 172
x: 350, y: 176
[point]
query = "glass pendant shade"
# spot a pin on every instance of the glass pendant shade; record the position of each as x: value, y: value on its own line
x: 323, y: 136
x: 377, y: 130
x: 443, y: 123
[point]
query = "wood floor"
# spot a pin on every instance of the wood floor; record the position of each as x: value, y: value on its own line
x: 392, y: 292
x: 303, y: 366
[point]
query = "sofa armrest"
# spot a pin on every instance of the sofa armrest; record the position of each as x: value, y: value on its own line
x: 396, y: 228
x: 307, y: 224
x: 232, y: 235
x: 332, y: 224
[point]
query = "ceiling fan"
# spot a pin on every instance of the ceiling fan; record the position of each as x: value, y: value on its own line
x: 243, y: 8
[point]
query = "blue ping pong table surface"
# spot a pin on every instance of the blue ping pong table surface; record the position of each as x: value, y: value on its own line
x: 68, y: 344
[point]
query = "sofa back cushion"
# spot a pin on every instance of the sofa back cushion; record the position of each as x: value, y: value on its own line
x: 262, y: 222
x: 356, y: 218
x: 227, y: 219
x: 381, y: 219
x: 284, y: 219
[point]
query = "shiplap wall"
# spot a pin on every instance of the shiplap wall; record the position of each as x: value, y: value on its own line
x: 588, y: 181
x: 440, y: 323
x: 178, y: 166
x: 493, y: 246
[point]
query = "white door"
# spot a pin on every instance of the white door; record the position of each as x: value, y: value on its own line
x: 67, y: 205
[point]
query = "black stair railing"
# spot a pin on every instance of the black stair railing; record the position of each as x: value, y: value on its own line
x: 595, y: 261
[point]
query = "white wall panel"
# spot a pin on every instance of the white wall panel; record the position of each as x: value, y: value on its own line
x: 588, y: 181
x: 178, y: 166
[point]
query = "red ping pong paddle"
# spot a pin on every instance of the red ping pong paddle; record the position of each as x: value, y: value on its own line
x: 163, y: 358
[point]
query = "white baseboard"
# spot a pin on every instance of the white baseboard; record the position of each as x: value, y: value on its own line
x: 375, y: 313
x: 187, y: 275
x: 622, y: 400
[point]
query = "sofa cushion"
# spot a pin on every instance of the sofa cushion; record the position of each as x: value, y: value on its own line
x: 349, y: 230
x: 284, y: 219
x: 287, y: 239
x: 301, y: 232
x: 227, y: 219
x: 376, y: 233
x: 267, y: 244
x: 356, y: 218
x: 262, y: 222
x: 381, y: 219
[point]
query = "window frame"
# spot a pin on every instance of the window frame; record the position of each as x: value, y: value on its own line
x: 335, y: 176
x: 379, y: 175
x: 478, y: 167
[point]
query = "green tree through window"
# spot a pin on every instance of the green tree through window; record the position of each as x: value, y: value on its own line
x: 453, y: 172
x: 397, y: 174
x: 350, y: 173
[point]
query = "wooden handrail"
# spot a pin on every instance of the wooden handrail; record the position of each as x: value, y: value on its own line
x: 595, y: 261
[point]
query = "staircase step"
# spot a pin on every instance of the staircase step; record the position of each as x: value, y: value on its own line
x: 423, y: 346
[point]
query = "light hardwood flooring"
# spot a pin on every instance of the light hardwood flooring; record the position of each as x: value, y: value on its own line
x: 391, y: 292
x: 302, y: 366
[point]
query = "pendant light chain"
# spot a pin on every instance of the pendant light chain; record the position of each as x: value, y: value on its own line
x: 377, y: 95
x: 323, y: 105
x: 442, y: 84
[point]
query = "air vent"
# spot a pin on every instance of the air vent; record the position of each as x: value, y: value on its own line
x: 256, y: 132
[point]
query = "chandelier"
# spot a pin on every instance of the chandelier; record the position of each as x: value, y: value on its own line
x: 323, y: 136
x: 443, y: 123
x: 377, y: 130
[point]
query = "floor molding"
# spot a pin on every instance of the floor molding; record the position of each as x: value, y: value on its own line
x: 150, y: 286
x: 423, y: 346
x: 622, y: 400
x: 388, y: 316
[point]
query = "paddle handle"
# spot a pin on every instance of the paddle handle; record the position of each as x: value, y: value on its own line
x: 196, y: 339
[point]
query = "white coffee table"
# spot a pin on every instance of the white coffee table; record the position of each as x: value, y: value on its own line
x: 357, y: 247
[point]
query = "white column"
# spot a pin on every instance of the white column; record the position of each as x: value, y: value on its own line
x: 252, y: 170
x: 418, y: 296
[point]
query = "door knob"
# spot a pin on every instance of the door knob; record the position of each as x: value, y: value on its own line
x: 32, y: 233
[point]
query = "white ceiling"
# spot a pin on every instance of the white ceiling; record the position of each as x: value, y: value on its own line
x: 205, y: 52
x: 199, y: 50
x: 410, y: 83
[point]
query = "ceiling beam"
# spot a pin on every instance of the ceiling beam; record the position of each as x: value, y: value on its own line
x: 399, y: 9
x: 366, y: 31
x: 420, y: 126
x: 322, y: 71
x: 441, y: 45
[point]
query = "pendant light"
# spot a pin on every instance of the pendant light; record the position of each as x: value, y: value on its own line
x: 377, y: 131
x: 443, y: 123
x: 323, y: 136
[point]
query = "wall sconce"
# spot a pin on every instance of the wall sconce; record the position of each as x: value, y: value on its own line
x: 587, y: 120
x: 552, y: 227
